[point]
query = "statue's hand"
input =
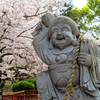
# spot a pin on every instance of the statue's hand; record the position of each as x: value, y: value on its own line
x: 84, y: 59
x: 40, y: 26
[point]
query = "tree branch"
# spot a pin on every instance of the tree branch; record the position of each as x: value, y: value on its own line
x: 35, y: 14
x: 27, y: 37
x: 7, y: 38
x: 26, y: 30
x: 2, y: 48
x: 5, y: 55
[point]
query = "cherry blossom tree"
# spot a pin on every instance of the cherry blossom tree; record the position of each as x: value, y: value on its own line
x: 18, y: 19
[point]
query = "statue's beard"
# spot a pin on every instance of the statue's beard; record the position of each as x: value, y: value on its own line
x: 62, y: 46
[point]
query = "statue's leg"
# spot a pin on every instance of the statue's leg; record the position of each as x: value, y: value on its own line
x: 43, y: 85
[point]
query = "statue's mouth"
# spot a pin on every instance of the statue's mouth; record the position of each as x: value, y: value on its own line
x: 60, y: 38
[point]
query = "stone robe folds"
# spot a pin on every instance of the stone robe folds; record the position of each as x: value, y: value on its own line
x: 89, y: 77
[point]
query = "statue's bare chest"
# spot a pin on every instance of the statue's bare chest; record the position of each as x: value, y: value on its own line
x: 60, y: 73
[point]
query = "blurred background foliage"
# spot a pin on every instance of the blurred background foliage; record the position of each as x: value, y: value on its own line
x: 87, y: 18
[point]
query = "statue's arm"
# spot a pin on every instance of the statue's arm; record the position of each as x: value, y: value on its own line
x: 40, y: 44
x: 41, y: 36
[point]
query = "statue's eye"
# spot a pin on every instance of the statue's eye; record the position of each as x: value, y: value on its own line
x: 64, y: 29
x: 55, y: 30
x: 66, y: 37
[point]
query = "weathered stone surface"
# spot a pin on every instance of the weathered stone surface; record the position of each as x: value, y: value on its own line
x: 55, y: 44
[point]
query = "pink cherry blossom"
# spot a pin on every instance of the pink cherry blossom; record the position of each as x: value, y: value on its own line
x: 18, y: 19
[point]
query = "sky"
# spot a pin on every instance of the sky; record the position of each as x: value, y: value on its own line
x: 79, y: 3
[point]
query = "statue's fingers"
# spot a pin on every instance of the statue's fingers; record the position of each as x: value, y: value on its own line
x: 36, y: 28
x: 41, y: 23
x: 81, y: 62
x: 82, y: 54
x: 81, y: 57
x: 40, y: 26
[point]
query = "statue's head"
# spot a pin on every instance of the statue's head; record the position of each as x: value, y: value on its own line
x: 62, y: 32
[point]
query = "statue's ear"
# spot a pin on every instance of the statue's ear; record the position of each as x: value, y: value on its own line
x: 74, y: 42
x: 51, y: 45
x: 74, y: 36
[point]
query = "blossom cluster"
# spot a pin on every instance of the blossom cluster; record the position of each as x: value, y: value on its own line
x: 18, y: 19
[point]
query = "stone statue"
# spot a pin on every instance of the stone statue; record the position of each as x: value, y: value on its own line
x: 55, y: 43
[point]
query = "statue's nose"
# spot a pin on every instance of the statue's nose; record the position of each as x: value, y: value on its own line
x: 59, y: 33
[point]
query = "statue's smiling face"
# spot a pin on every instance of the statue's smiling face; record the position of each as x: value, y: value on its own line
x: 61, y: 35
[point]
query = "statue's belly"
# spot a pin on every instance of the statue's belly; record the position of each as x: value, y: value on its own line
x: 60, y: 75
